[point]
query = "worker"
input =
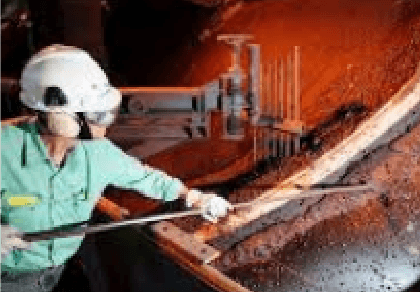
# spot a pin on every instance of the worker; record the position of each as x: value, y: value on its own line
x: 54, y: 169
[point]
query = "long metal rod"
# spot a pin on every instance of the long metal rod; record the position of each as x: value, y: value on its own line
x: 262, y: 101
x: 269, y: 89
x: 276, y: 88
x: 297, y: 95
x: 281, y: 91
x: 81, y: 231
x: 276, y: 104
x: 297, y: 83
x: 289, y: 102
x: 281, y: 102
x: 289, y: 113
x: 260, y: 87
x: 271, y: 105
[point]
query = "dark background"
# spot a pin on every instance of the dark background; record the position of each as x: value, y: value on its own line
x: 134, y: 40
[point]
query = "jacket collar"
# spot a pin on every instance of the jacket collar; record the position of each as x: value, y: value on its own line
x: 34, y: 150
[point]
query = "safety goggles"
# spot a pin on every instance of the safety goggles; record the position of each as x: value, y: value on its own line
x: 103, y: 118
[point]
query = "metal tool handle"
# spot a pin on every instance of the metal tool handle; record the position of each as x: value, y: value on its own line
x: 81, y: 231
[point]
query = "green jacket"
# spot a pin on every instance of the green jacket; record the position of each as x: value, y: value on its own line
x: 55, y: 197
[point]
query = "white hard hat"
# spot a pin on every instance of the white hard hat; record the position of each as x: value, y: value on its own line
x: 72, y: 75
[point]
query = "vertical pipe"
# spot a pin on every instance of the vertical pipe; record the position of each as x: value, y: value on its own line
x: 289, y: 114
x: 269, y: 104
x: 281, y: 91
x: 225, y: 104
x: 274, y: 107
x: 266, y: 86
x: 194, y: 103
x: 255, y: 79
x: 269, y: 89
x: 297, y: 94
x: 297, y: 83
x: 220, y: 96
x: 262, y: 89
x: 262, y: 104
x: 276, y: 103
x: 224, y: 94
x: 289, y: 101
x: 276, y: 87
x: 281, y: 102
x: 203, y: 107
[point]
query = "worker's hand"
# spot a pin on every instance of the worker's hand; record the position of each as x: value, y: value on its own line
x: 11, y: 239
x: 212, y: 206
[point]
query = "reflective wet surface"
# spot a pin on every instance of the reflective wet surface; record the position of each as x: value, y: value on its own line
x: 325, y: 260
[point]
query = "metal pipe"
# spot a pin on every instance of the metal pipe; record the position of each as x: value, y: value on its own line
x: 271, y: 107
x: 276, y: 91
x: 265, y: 84
x: 81, y: 231
x: 269, y: 89
x: 220, y: 96
x: 297, y: 83
x: 289, y: 102
x: 261, y: 89
x: 276, y: 103
x: 255, y: 78
x: 297, y: 95
x: 281, y: 102
x: 262, y: 104
x: 289, y: 87
x: 225, y: 103
x: 281, y: 99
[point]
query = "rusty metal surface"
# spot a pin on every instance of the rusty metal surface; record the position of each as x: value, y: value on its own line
x: 329, y: 262
x: 195, y: 250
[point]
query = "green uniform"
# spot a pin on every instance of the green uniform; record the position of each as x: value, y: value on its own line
x: 36, y: 195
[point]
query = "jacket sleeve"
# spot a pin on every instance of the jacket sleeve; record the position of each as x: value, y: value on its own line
x: 130, y: 173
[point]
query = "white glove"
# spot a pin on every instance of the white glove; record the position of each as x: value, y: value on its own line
x: 212, y: 206
x: 11, y: 239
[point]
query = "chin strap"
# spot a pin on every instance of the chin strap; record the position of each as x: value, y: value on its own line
x: 85, y: 133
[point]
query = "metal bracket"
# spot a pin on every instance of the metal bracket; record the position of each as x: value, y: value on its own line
x: 185, y: 243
